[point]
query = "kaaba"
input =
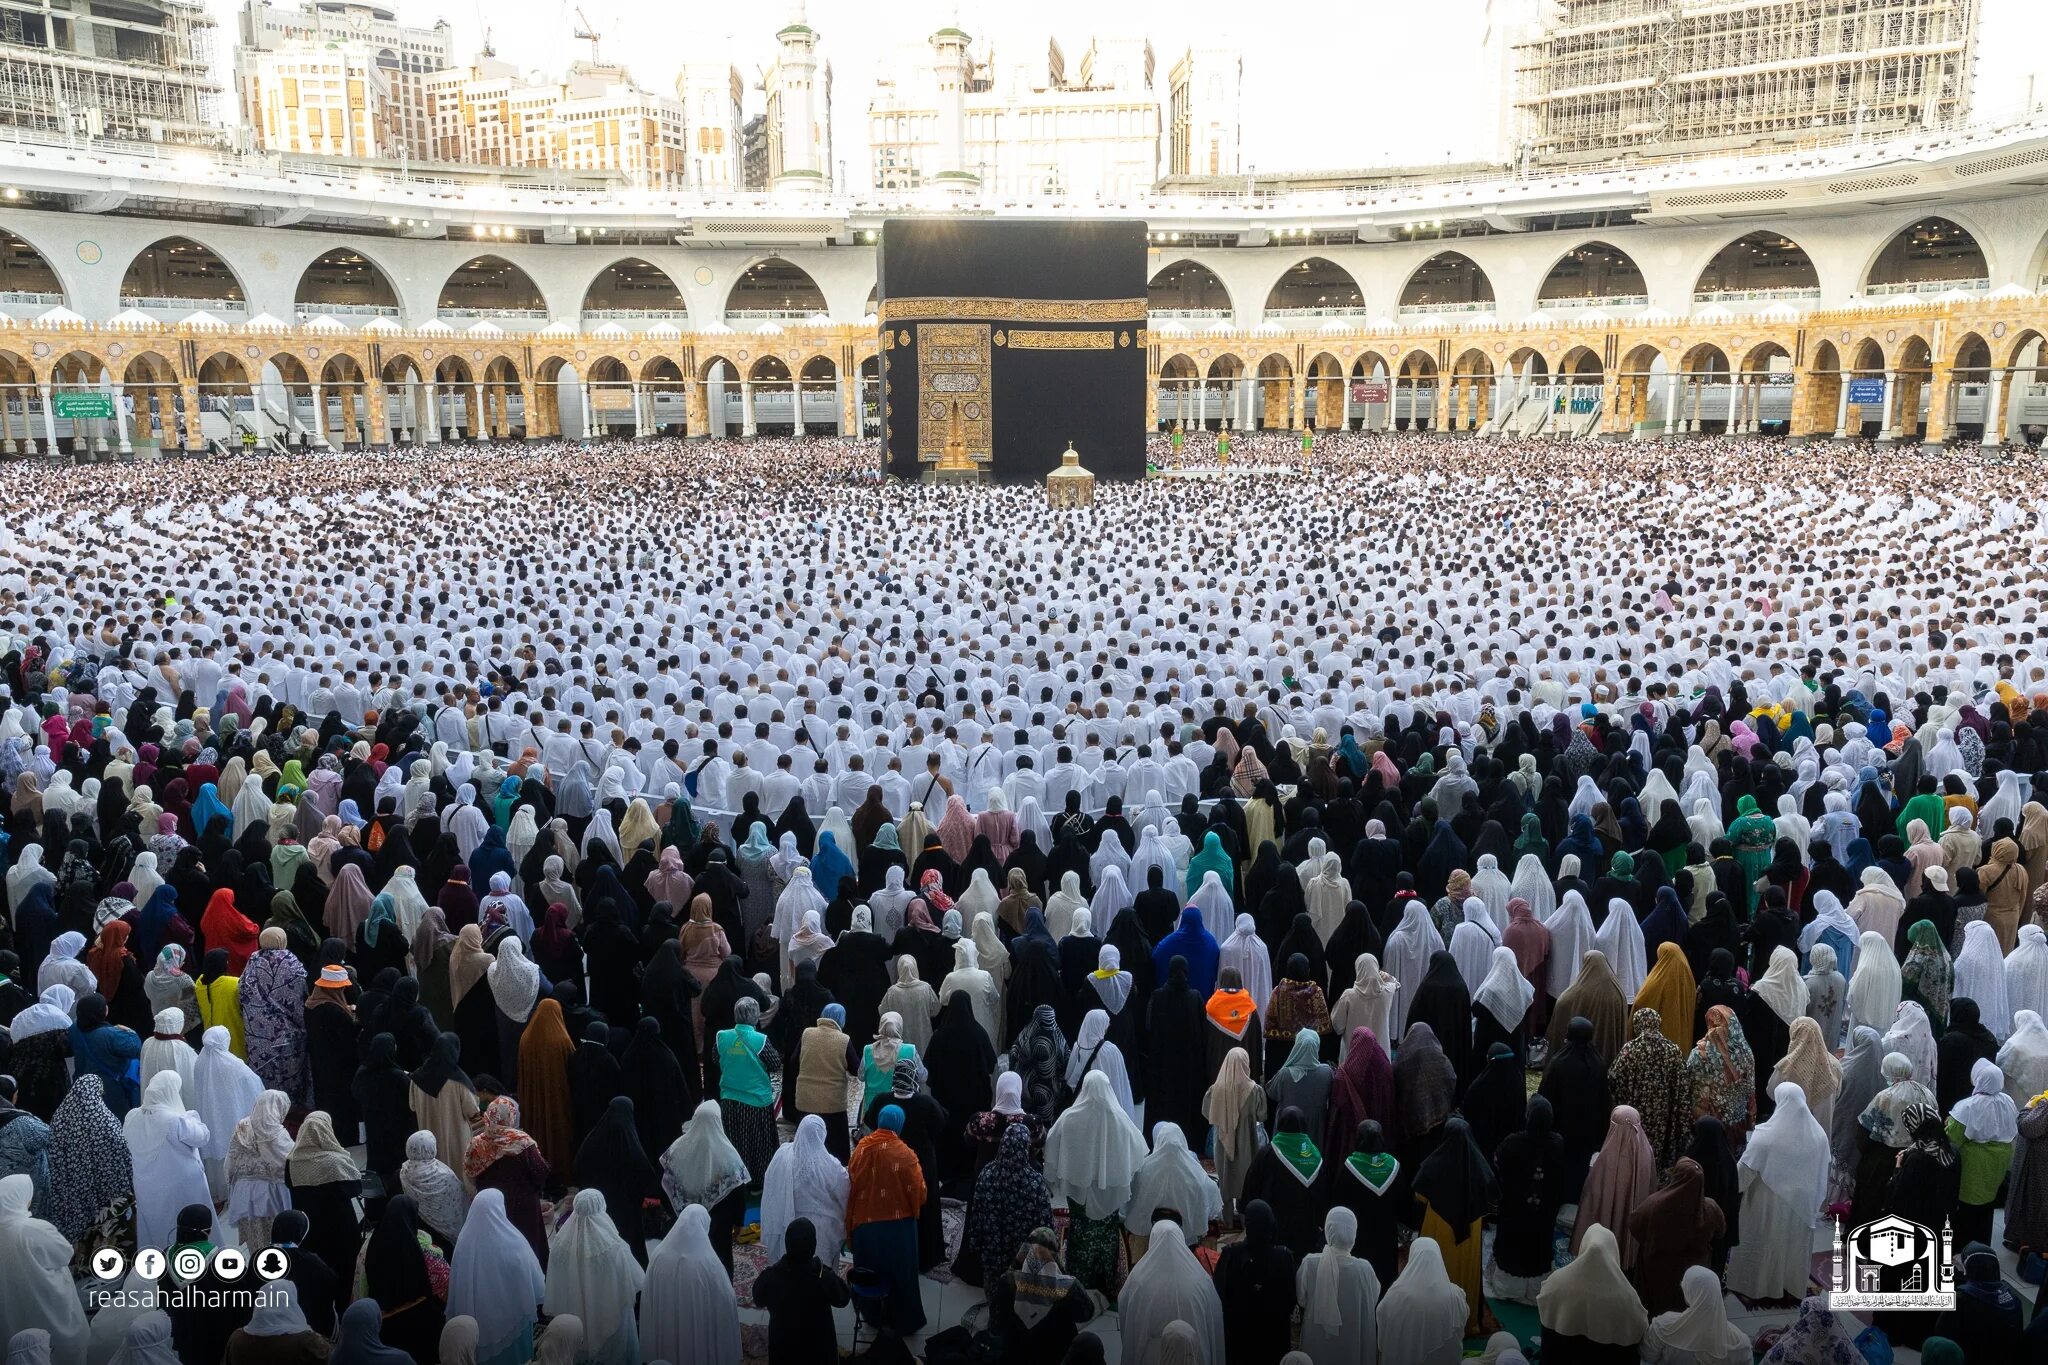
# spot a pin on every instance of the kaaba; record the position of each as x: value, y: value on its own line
x: 1002, y: 342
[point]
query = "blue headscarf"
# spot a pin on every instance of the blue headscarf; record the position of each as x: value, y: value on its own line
x: 891, y: 1118
x: 1194, y: 943
x: 208, y: 807
x: 828, y: 866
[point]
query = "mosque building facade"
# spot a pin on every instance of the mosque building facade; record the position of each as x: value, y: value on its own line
x: 158, y: 298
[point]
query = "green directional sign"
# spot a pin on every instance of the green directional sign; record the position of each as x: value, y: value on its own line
x: 76, y: 405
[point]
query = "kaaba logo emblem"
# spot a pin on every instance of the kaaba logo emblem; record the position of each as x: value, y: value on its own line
x: 1893, y: 1263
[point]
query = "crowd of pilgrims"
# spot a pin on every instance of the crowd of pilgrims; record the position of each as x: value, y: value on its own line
x: 1237, y: 1039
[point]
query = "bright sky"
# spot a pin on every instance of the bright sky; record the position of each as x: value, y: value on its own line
x: 1371, y: 82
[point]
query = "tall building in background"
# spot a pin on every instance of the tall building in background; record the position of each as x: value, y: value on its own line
x: 597, y: 119
x: 330, y: 76
x: 132, y: 70
x: 798, y: 116
x: 1202, y: 111
x: 1024, y: 129
x: 1646, y: 78
x: 711, y: 93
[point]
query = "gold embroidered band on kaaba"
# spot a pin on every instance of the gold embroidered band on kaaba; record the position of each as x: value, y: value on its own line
x: 1021, y: 340
x: 935, y: 308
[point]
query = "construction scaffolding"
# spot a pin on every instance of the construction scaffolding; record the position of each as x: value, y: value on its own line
x: 1608, y: 79
x: 127, y: 70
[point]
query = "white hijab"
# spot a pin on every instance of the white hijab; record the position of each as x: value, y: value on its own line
x: 1422, y: 1318
x: 1781, y: 986
x: 688, y: 1313
x: 1590, y: 1297
x: 1987, y: 1113
x: 1571, y: 935
x: 2026, y: 972
x: 1094, y: 1150
x: 493, y: 1276
x: 1171, y: 1178
x: 1168, y: 1286
x: 1505, y: 992
x: 1244, y: 950
x: 1621, y: 938
x: 1876, y: 985
x: 224, y: 1090
x: 1061, y: 905
x: 1533, y: 885
x: 1789, y: 1152
x: 591, y: 1271
x: 2024, y: 1058
x: 1701, y: 1329
x: 437, y: 1192
x: 1980, y: 976
x: 35, y: 1274
x: 803, y: 1181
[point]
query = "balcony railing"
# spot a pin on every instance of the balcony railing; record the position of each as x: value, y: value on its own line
x: 770, y: 314
x: 1930, y: 287
x: 1595, y: 301
x: 493, y: 314
x: 31, y: 298
x: 347, y: 310
x: 1346, y: 310
x: 636, y: 315
x: 1756, y: 295
x: 161, y: 304
x: 1416, y: 310
x: 1189, y: 314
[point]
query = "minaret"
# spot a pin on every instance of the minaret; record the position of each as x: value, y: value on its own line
x: 952, y: 69
x: 796, y: 82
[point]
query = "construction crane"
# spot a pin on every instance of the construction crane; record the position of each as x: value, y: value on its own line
x: 588, y: 33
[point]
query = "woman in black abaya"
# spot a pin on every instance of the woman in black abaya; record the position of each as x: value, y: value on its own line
x: 1034, y: 974
x: 614, y: 1161
x: 1442, y: 1002
x: 1374, y: 1186
x: 1530, y: 1167
x: 1176, y: 1069
x: 1289, y: 1175
x: 959, y: 1064
x: 595, y: 1079
x: 654, y: 1082
x: 1575, y: 1083
x: 666, y: 990
x: 1355, y: 934
x: 1255, y: 1280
